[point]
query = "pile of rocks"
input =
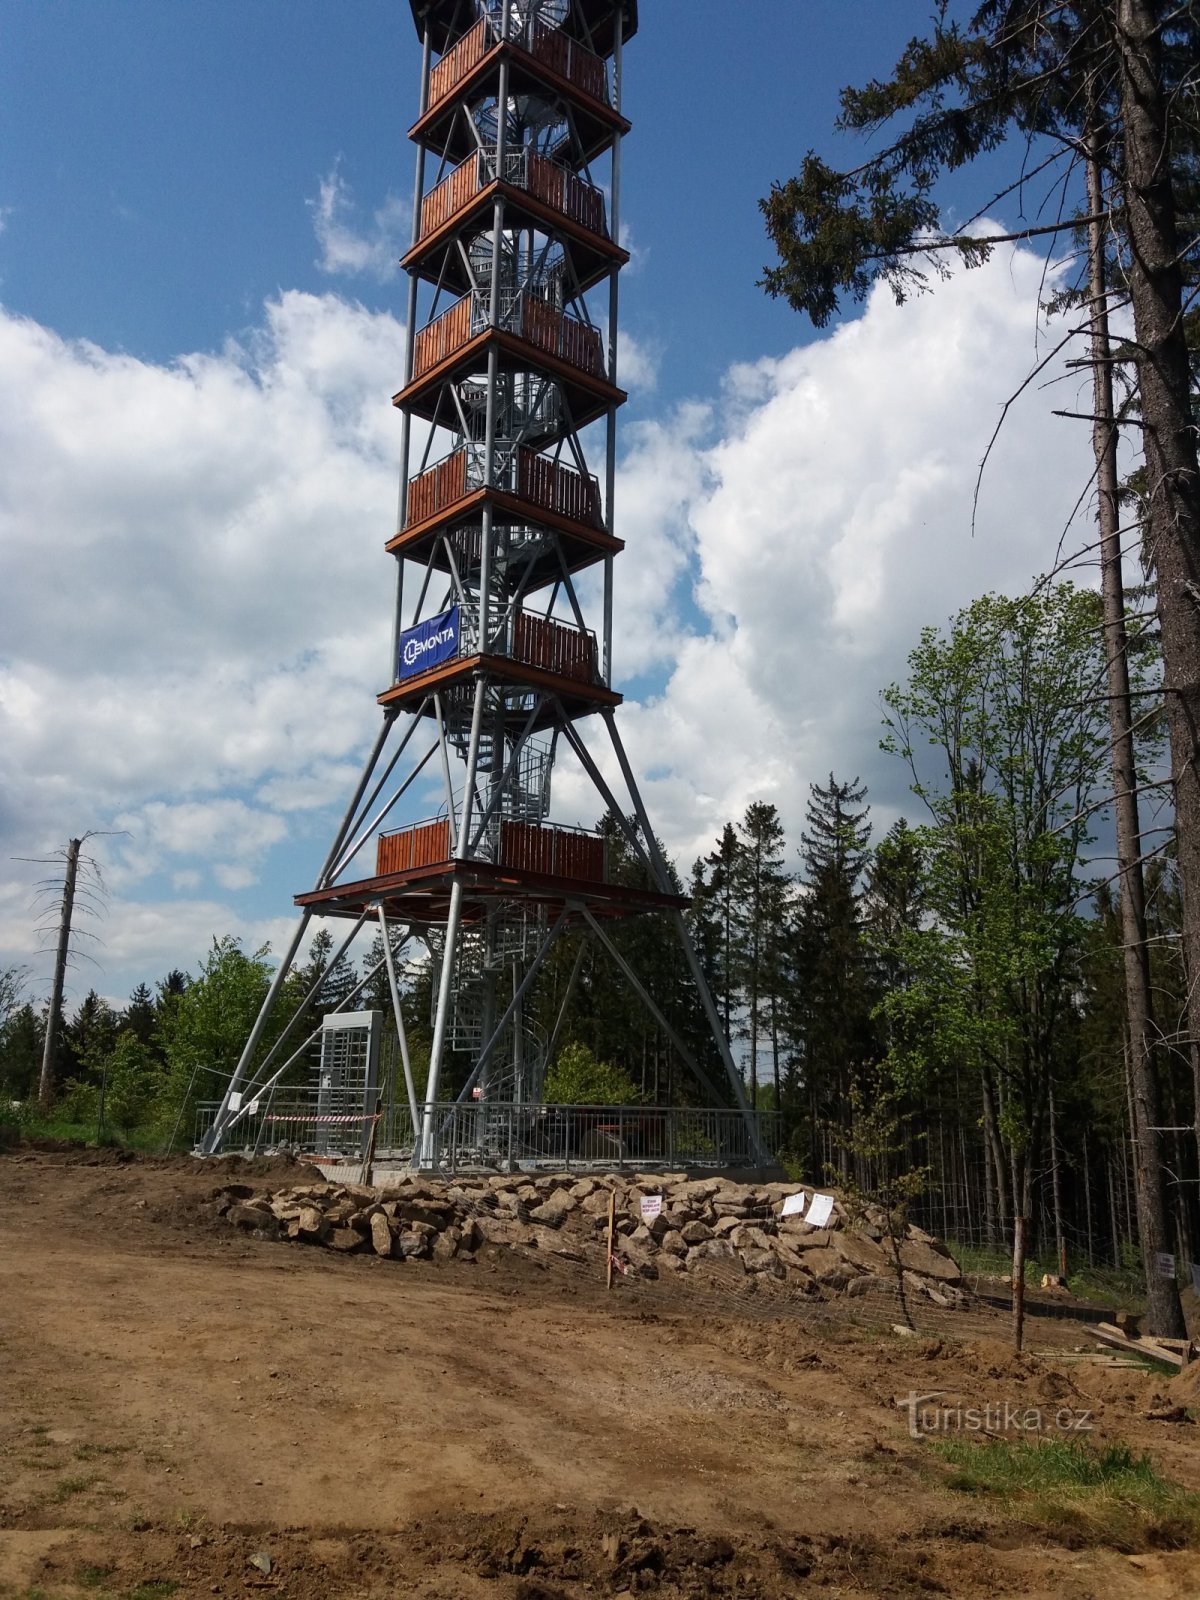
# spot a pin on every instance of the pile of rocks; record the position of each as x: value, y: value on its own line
x: 705, y: 1225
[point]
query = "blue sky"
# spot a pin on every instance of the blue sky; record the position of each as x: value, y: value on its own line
x: 200, y: 331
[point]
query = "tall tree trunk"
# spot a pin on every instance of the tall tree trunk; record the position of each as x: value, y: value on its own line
x: 1173, y: 512
x: 46, y: 1085
x: 1060, y: 1238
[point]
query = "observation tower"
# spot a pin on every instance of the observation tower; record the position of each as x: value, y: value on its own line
x: 505, y: 540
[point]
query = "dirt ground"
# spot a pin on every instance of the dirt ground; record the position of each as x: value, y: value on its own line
x: 189, y: 1410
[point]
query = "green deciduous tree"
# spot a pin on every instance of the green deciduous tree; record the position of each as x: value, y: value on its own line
x: 578, y: 1078
x: 204, y: 1029
x: 1007, y: 747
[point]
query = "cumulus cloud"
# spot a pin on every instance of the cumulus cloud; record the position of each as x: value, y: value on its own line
x: 190, y: 565
x: 350, y: 251
x: 824, y: 514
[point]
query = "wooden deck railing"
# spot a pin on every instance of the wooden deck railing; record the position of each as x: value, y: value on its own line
x: 556, y: 852
x: 450, y: 195
x: 553, y: 48
x: 553, y: 185
x: 570, y: 60
x: 544, y: 483
x: 543, y: 325
x: 423, y: 846
x: 442, y: 337
x: 457, y: 63
x: 555, y: 647
x: 437, y: 487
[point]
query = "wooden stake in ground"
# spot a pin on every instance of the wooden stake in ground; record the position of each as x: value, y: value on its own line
x: 369, y: 1155
x: 46, y: 1084
x: 612, y: 1233
x: 1018, y: 1282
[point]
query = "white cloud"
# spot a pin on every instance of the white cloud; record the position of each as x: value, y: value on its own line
x: 347, y: 251
x: 827, y: 520
x: 190, y: 569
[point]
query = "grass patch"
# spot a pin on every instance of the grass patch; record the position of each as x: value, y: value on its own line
x: 1081, y: 1492
x: 154, y: 1589
x: 66, y: 1488
x: 88, y: 1452
x: 93, y: 1577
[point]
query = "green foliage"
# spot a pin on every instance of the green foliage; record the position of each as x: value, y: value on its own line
x: 1104, y: 1493
x: 132, y: 1077
x: 22, y: 1033
x: 577, y: 1078
x: 204, y: 1029
x: 1008, y: 749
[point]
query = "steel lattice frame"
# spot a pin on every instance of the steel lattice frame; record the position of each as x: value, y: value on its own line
x: 507, y: 375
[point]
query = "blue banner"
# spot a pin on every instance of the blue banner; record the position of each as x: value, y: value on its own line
x: 428, y: 644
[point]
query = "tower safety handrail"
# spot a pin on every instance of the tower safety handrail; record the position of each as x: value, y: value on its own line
x: 543, y: 642
x: 549, y: 45
x: 544, y: 483
x: 520, y: 312
x: 548, y: 181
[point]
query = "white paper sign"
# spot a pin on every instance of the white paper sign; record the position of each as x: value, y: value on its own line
x: 1196, y: 1276
x: 820, y: 1211
x: 253, y: 1108
x: 651, y: 1206
x: 1165, y: 1262
x: 794, y: 1205
x: 235, y: 1101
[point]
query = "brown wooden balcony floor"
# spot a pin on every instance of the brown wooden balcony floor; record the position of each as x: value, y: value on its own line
x: 578, y: 698
x: 581, y: 546
x: 445, y: 19
x: 587, y: 396
x: 422, y: 894
x: 593, y: 255
x: 444, y: 132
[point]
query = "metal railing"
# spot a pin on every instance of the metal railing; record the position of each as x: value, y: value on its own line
x: 553, y: 184
x: 520, y: 312
x: 475, y: 1135
x: 546, y: 484
x: 555, y: 49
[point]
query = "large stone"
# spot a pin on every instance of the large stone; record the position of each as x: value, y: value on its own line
x: 471, y: 1237
x: 720, y: 1250
x: 435, y: 1213
x: 919, y: 1256
x: 582, y: 1189
x: 345, y: 1239
x: 696, y: 1233
x: 553, y: 1210
x: 414, y: 1246
x: 381, y: 1234
x: 697, y: 1190
x: 798, y: 1233
x: 505, y: 1230
x: 861, y: 1252
x: 673, y: 1243
x: 596, y: 1203
x: 747, y: 1237
x: 765, y: 1261
x: 724, y: 1226
x: 552, y: 1243
x: 313, y: 1223
x: 254, y: 1219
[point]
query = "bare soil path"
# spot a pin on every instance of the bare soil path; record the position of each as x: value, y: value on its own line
x: 188, y: 1410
